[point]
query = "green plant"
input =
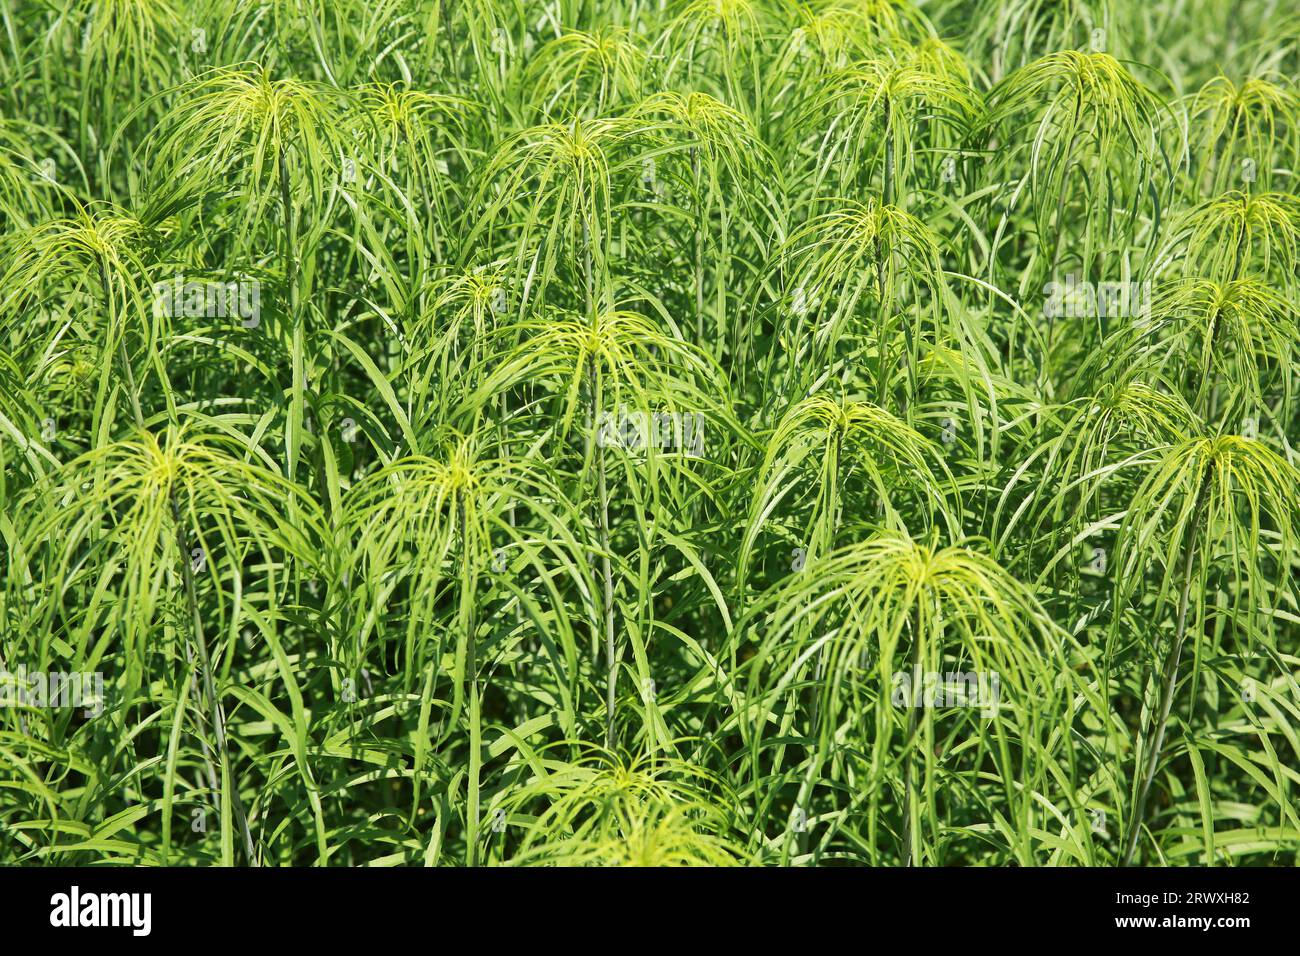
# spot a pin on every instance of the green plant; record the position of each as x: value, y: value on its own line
x: 676, y: 432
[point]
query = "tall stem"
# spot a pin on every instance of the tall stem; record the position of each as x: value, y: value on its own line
x: 1170, y: 674
x: 217, y: 714
x: 912, y: 719
x: 471, y: 676
x: 699, y: 250
x: 887, y: 199
x: 882, y: 374
x: 602, y: 504
x: 887, y: 194
x: 606, y: 570
x: 121, y: 345
x: 611, y: 651
x: 297, y: 358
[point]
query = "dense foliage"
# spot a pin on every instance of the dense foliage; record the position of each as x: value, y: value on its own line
x: 653, y: 432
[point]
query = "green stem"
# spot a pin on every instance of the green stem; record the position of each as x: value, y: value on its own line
x: 217, y: 714
x: 1170, y: 673
x: 699, y: 249
x: 297, y: 357
x: 909, y: 858
x: 887, y: 194
x: 607, y: 602
x: 471, y: 676
x: 121, y: 345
